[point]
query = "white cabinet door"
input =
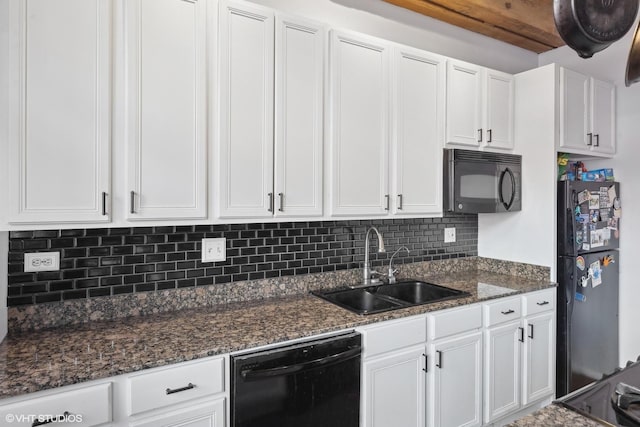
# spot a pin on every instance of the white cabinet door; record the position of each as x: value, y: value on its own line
x: 60, y: 59
x: 209, y: 414
x: 603, y: 116
x: 166, y: 109
x: 358, y: 144
x: 394, y: 389
x: 499, y: 109
x: 574, y: 111
x: 455, y: 391
x: 539, y: 361
x: 245, y: 156
x: 419, y: 88
x: 502, y: 370
x: 464, y: 104
x: 299, y: 86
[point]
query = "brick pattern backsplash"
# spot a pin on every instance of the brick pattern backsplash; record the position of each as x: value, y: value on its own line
x: 111, y: 261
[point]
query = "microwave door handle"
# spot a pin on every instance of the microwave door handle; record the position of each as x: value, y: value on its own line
x: 506, y: 205
x: 500, y: 195
x: 513, y: 188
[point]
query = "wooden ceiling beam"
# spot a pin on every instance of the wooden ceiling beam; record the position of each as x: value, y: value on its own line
x: 525, y: 23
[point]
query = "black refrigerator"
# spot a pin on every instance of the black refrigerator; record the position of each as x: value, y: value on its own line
x: 587, y: 323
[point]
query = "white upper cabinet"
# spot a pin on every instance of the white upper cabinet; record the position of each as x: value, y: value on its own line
x: 418, y: 131
x: 464, y: 104
x: 60, y: 59
x: 245, y: 167
x: 270, y: 164
x: 166, y: 109
x: 574, y: 110
x: 603, y: 116
x: 480, y: 107
x: 499, y: 109
x: 359, y: 140
x: 587, y: 115
x: 299, y: 101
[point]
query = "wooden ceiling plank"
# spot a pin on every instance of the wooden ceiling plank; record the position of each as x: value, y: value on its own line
x: 471, y: 24
x: 533, y: 19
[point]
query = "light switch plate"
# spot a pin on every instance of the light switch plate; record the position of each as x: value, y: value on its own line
x: 214, y: 250
x: 450, y: 235
x: 42, y: 261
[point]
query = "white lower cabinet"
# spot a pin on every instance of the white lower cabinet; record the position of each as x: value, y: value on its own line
x: 86, y: 406
x: 502, y: 370
x: 394, y: 389
x: 394, y: 373
x: 457, y: 367
x: 455, y: 391
x: 539, y: 357
x: 519, y: 354
x: 209, y: 414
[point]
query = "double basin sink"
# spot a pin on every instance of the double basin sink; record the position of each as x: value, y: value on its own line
x: 378, y: 298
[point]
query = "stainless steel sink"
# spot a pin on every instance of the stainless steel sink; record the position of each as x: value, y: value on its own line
x: 375, y: 299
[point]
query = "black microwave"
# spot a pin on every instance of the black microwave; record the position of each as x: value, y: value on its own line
x: 482, y: 182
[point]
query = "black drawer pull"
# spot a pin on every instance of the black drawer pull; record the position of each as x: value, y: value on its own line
x: 439, y: 362
x: 178, y: 390
x: 507, y: 312
x: 521, y: 330
x: 55, y: 419
x: 543, y: 303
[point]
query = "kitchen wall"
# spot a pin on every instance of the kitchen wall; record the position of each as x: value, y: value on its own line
x: 532, y: 231
x: 610, y: 64
x: 390, y: 22
x: 112, y: 261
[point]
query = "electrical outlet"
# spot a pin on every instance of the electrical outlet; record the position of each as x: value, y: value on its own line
x: 214, y: 250
x: 450, y: 235
x: 42, y: 261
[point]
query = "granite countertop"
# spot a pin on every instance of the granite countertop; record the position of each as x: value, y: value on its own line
x: 555, y: 416
x: 33, y: 361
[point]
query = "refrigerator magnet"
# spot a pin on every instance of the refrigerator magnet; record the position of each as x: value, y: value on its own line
x: 580, y: 297
x: 583, y: 196
x: 586, y: 247
x: 596, y: 274
x: 604, y: 198
x: 617, y: 208
x: 612, y: 193
x: 584, y: 281
x: 595, y: 215
x: 580, y: 263
x: 594, y: 201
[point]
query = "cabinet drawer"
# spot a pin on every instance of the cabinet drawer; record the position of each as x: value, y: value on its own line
x: 538, y: 302
x: 503, y: 310
x: 86, y: 407
x: 393, y: 335
x: 455, y: 321
x: 175, y: 384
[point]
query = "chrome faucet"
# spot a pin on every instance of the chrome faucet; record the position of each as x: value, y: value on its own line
x: 366, y: 270
x: 391, y: 273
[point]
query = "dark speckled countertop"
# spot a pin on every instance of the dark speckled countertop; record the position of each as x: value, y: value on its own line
x: 40, y: 360
x: 555, y: 416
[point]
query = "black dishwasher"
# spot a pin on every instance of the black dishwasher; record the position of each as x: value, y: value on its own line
x: 311, y: 384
